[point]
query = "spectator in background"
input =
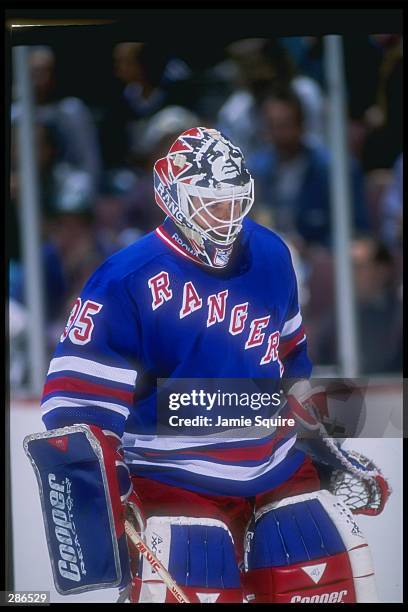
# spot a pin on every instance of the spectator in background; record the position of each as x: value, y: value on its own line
x: 148, y: 79
x: 383, y: 119
x: 261, y: 64
x: 262, y: 215
x: 361, y: 57
x: 161, y: 131
x: 66, y: 197
x: 307, y: 55
x: 379, y: 312
x: 72, y: 122
x: 391, y: 216
x: 71, y: 249
x: 391, y: 230
x: 373, y: 70
x: 49, y: 174
x: 292, y: 175
x: 111, y: 225
x: 70, y: 228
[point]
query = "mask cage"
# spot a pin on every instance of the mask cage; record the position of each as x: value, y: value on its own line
x: 221, y: 229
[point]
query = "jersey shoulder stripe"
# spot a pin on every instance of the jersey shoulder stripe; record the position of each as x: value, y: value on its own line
x: 70, y: 363
x: 66, y: 384
x: 291, y: 325
x: 60, y: 402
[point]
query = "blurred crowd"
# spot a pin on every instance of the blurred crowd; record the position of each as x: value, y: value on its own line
x: 269, y: 96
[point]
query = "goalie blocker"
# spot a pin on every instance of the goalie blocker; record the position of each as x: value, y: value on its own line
x: 84, y: 486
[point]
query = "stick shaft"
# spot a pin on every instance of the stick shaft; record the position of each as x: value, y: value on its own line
x: 155, y: 563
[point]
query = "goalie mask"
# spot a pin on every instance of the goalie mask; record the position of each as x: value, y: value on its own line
x: 204, y: 186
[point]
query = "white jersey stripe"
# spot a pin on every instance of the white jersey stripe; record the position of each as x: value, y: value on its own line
x: 171, y: 443
x: 218, y: 470
x: 174, y: 246
x: 66, y: 402
x: 93, y: 368
x: 292, y: 325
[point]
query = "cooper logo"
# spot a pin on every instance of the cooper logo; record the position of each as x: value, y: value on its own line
x: 335, y: 597
x: 68, y: 564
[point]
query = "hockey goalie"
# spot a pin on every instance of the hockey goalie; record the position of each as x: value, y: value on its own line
x: 208, y: 294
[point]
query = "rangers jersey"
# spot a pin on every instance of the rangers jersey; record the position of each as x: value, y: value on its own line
x: 151, y: 311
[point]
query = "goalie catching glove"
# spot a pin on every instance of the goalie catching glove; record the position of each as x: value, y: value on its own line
x: 84, y: 488
x: 354, y: 478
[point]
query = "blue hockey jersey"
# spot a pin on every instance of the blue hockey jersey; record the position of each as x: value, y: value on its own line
x: 151, y: 311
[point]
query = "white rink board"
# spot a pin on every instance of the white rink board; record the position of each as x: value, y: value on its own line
x: 32, y: 570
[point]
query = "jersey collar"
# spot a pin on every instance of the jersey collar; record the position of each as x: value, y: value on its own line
x: 169, y: 233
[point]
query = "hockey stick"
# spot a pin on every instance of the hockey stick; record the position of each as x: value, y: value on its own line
x: 155, y: 563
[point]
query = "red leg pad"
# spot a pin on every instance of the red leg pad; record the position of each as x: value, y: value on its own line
x: 325, y: 580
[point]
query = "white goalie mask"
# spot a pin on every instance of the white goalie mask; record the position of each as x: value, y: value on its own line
x: 205, y: 187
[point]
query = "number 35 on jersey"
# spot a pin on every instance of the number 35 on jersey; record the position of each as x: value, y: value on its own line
x: 80, y: 325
